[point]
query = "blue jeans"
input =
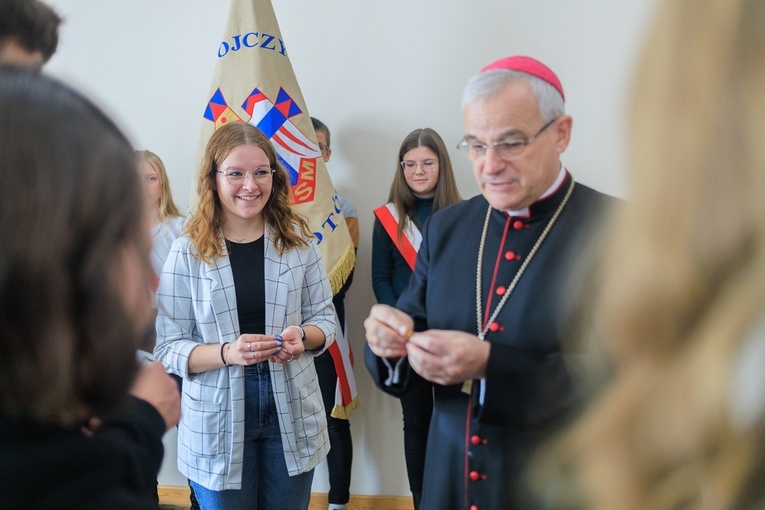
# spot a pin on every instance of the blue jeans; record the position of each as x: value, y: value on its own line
x: 265, y: 482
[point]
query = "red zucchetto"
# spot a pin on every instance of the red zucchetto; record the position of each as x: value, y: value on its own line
x: 530, y: 66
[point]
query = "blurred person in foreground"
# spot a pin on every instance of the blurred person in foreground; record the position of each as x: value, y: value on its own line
x: 681, y: 306
x: 75, y: 306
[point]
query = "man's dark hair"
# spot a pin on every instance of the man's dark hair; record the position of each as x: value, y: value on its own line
x: 320, y: 126
x: 32, y: 24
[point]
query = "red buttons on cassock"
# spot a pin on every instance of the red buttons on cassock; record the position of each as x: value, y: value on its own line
x: 475, y: 476
x: 501, y: 290
x: 476, y: 440
x: 511, y: 255
x: 474, y: 507
x: 494, y: 326
x: 518, y: 224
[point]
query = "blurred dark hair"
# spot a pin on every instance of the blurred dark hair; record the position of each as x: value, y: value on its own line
x: 33, y: 24
x: 70, y: 204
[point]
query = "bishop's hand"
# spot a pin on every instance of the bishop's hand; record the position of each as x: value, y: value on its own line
x: 387, y: 331
x: 448, y: 357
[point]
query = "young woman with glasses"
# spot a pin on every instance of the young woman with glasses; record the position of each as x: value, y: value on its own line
x: 423, y: 184
x: 244, y: 306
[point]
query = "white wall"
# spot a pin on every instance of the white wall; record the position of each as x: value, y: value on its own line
x: 372, y: 71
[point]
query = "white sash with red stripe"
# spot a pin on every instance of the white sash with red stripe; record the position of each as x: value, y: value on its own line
x: 410, y: 241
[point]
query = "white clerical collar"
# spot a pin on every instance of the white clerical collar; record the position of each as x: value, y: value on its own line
x: 552, y: 189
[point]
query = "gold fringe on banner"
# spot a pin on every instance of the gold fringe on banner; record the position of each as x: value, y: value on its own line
x: 342, y: 270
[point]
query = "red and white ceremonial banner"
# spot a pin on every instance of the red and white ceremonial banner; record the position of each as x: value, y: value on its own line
x: 254, y: 82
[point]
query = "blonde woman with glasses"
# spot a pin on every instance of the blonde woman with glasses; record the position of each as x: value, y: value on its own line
x: 244, y: 307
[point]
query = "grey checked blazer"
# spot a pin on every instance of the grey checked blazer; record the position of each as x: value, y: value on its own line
x: 197, y: 305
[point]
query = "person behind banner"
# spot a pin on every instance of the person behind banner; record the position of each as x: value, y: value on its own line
x: 423, y: 183
x: 74, y: 307
x: 349, y: 210
x: 340, y: 456
x: 680, y: 301
x: 480, y: 317
x: 244, y: 305
x: 28, y: 33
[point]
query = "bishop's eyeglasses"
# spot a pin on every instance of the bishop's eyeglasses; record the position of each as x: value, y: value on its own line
x: 508, y: 150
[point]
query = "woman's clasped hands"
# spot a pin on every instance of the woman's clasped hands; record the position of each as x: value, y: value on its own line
x: 250, y: 349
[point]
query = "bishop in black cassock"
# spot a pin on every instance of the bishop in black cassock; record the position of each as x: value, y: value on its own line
x: 489, y: 330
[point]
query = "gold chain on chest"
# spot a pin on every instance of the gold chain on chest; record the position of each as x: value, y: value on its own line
x: 479, y: 267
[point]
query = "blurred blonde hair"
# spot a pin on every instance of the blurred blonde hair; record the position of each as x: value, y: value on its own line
x: 683, y: 279
x: 167, y: 205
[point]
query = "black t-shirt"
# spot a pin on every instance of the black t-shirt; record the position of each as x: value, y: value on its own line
x: 247, y: 264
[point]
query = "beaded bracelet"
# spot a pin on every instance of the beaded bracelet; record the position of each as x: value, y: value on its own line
x: 222, y: 358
